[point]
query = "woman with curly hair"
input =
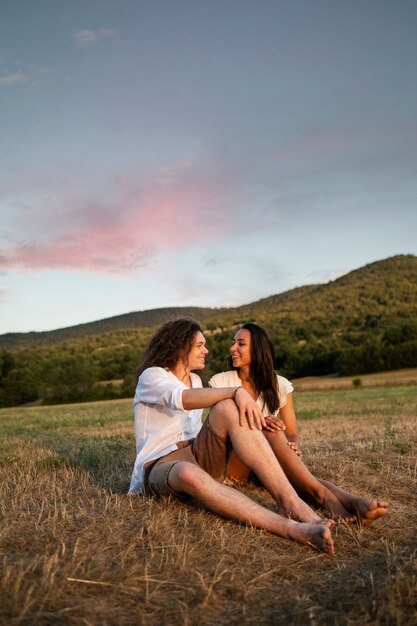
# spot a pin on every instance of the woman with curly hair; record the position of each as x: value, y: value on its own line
x: 177, y: 455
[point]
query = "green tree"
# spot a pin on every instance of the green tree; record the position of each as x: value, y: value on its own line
x: 20, y: 386
x: 72, y: 380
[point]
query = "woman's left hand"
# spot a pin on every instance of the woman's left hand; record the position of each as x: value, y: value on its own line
x: 295, y: 446
x: 273, y: 424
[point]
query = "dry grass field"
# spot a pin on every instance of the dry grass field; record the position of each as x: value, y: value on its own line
x: 76, y: 550
x: 378, y: 379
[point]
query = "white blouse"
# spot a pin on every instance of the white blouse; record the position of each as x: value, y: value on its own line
x: 160, y: 418
x: 231, y: 379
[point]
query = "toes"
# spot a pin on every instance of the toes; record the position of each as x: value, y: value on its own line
x: 328, y: 542
x: 328, y: 523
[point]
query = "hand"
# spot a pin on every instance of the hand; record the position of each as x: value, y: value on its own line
x: 273, y: 424
x: 295, y: 445
x: 249, y: 410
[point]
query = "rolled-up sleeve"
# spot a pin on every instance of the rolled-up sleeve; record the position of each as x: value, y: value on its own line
x: 155, y: 386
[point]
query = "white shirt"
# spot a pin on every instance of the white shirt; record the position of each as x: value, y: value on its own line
x: 160, y: 418
x: 231, y: 379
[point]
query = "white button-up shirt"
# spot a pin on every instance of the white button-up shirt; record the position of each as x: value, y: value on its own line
x: 160, y: 419
x: 231, y: 379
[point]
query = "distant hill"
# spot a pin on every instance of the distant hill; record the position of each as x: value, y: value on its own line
x: 143, y: 319
x: 382, y: 290
x: 139, y: 319
x: 385, y: 289
x: 365, y: 321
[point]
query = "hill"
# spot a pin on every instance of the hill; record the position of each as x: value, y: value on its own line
x: 139, y: 319
x: 364, y: 321
x: 142, y: 319
x: 383, y: 289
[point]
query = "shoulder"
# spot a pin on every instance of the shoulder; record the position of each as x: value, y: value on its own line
x: 225, y: 379
x: 152, y: 374
x: 284, y: 385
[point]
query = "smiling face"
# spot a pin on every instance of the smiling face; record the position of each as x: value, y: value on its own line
x: 196, y: 358
x: 241, y: 349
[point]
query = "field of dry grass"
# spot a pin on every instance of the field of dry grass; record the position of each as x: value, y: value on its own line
x: 377, y: 379
x: 75, y: 549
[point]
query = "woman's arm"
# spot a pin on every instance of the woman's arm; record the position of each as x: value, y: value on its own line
x: 248, y: 409
x: 199, y: 398
x: 289, y: 418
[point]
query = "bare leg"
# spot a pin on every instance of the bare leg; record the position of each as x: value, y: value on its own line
x: 229, y: 503
x: 305, y: 483
x: 254, y: 450
x: 336, y: 502
x: 365, y: 511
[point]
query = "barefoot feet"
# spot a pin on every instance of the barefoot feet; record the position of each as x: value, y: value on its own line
x: 297, y: 509
x: 345, y: 506
x: 367, y: 511
x: 334, y: 509
x: 315, y: 535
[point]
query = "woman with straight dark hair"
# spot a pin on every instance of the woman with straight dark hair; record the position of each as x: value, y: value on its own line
x: 251, y: 365
x: 178, y: 455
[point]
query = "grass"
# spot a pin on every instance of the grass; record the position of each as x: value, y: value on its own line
x: 391, y: 378
x: 75, y: 549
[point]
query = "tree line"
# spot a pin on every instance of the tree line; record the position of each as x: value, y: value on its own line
x: 103, y: 367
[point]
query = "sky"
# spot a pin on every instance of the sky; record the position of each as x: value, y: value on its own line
x: 199, y: 152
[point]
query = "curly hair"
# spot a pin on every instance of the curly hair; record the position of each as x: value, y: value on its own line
x: 261, y: 370
x: 171, y: 341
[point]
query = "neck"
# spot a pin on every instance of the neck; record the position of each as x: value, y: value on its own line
x: 243, y: 373
x: 182, y: 372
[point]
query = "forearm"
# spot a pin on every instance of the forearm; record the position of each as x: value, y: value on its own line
x: 287, y: 415
x: 206, y: 397
x: 294, y: 438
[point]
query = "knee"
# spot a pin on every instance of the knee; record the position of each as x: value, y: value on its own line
x: 225, y: 409
x: 223, y: 417
x: 279, y: 443
x: 187, y: 477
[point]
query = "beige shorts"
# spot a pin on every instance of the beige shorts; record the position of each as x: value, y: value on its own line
x: 207, y: 450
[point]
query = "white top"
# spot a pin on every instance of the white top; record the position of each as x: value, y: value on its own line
x: 231, y: 379
x: 160, y: 418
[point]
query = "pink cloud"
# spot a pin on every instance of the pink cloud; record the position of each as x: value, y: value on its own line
x: 125, y: 232
x: 79, y: 254
x: 134, y: 219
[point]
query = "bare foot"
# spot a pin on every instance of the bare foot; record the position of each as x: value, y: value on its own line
x: 335, y: 510
x: 299, y: 511
x: 367, y: 511
x: 315, y: 535
x: 363, y: 511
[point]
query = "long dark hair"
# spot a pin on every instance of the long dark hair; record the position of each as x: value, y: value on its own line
x: 261, y: 370
x: 172, y: 341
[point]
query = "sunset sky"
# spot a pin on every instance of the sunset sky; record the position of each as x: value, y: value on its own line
x: 199, y: 152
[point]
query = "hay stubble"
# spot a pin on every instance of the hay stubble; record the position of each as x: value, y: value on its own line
x: 75, y: 549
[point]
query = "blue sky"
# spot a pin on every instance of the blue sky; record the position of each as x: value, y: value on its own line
x: 176, y: 152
